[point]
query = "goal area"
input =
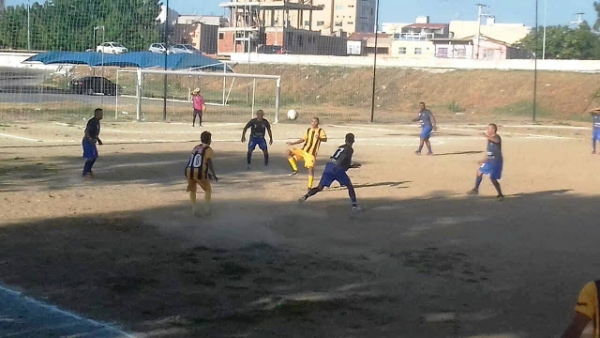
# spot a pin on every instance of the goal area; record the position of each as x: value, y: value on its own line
x: 165, y: 95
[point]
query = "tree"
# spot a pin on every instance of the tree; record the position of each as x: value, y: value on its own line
x: 68, y: 25
x: 563, y: 42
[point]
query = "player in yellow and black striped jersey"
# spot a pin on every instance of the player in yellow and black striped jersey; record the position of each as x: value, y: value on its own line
x: 312, y: 141
x: 586, y: 311
x: 199, y: 170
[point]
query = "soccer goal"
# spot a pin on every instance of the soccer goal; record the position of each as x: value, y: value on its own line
x: 229, y: 97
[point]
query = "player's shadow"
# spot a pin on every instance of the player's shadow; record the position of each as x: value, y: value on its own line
x: 391, y: 184
x: 469, y: 152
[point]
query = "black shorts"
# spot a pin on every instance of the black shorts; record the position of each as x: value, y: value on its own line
x: 197, y: 112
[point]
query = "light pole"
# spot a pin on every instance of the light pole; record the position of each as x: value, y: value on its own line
x: 545, y: 24
x: 535, y: 61
x: 374, y: 64
x: 165, y: 83
x: 479, y: 15
x: 28, y: 27
x: 102, y: 53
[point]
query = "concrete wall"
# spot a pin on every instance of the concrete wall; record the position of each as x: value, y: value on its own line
x: 587, y: 66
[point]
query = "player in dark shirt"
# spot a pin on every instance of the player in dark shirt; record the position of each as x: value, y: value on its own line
x: 428, y: 123
x: 493, y: 162
x: 258, y: 126
x: 90, y: 138
x: 335, y: 170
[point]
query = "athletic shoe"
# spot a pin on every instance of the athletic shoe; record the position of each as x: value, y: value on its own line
x: 293, y: 173
x: 248, y: 167
x: 473, y: 192
x: 500, y: 198
x: 417, y: 152
x: 355, y: 208
x: 429, y: 154
x: 302, y: 199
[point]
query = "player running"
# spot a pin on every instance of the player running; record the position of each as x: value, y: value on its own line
x: 428, y: 123
x: 586, y: 311
x: 257, y: 127
x: 197, y: 171
x: 335, y: 170
x: 492, y: 164
x: 312, y: 141
x: 596, y: 129
x: 90, y: 138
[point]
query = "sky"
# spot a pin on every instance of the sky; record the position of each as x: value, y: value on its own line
x: 439, y: 11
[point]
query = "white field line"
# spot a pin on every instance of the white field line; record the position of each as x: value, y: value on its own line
x: 51, y: 308
x: 18, y: 137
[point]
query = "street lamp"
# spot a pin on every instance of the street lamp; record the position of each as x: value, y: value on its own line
x: 374, y: 63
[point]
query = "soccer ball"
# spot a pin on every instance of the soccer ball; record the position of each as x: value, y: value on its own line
x: 292, y: 114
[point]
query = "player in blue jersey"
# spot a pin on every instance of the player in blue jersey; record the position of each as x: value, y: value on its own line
x: 90, y: 138
x: 428, y: 124
x: 596, y: 128
x: 492, y: 164
x: 335, y: 170
x: 258, y: 126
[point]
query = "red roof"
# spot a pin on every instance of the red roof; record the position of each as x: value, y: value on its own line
x: 427, y: 25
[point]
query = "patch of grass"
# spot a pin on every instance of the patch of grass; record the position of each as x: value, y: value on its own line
x: 524, y: 109
x: 454, y: 107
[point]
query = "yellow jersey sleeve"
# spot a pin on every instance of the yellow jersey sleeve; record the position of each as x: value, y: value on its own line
x: 587, y: 300
x: 322, y: 135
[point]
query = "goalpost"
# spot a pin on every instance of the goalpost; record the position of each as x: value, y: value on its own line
x: 244, y: 92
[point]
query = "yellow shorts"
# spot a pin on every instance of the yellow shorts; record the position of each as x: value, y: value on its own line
x: 193, y: 185
x: 309, y: 160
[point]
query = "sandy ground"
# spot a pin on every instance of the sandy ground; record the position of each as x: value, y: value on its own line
x: 421, y: 260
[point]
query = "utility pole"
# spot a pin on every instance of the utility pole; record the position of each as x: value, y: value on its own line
x: 28, y: 27
x: 480, y: 15
x: 374, y: 65
x: 545, y: 24
x: 165, y: 84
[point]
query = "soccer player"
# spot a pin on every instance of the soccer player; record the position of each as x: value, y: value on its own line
x: 586, y: 311
x: 335, y: 170
x: 428, y: 123
x: 492, y: 163
x: 257, y: 127
x: 312, y: 141
x: 596, y: 129
x: 90, y: 138
x: 197, y: 171
x: 199, y: 106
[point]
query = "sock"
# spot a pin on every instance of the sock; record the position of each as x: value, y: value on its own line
x: 92, y: 164
x: 293, y: 163
x: 352, y: 195
x: 249, y: 157
x: 478, y: 182
x: 86, y: 167
x: 594, y: 145
x: 311, y: 192
x: 207, y: 196
x: 310, y: 181
x: 266, y: 158
x: 497, y: 186
x: 193, y: 197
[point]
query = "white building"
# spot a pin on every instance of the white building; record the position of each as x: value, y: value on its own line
x: 162, y: 16
x: 212, y: 20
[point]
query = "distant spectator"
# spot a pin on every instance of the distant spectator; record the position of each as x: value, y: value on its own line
x: 199, y: 107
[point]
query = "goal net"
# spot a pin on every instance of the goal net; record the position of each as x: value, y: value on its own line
x: 165, y: 95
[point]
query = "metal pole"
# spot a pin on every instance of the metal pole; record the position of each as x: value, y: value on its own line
x: 374, y: 64
x: 479, y: 6
x: 138, y: 90
x: 253, y: 97
x: 277, y: 93
x: 117, y: 97
x: 103, y: 38
x: 165, y: 83
x: 535, y: 62
x: 28, y: 27
x: 545, y: 24
x: 224, y: 82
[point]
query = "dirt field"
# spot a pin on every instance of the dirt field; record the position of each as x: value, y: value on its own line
x: 421, y: 259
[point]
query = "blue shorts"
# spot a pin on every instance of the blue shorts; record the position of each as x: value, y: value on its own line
x: 492, y: 168
x: 596, y: 134
x: 333, y: 173
x: 90, y: 151
x: 257, y: 141
x: 426, y: 132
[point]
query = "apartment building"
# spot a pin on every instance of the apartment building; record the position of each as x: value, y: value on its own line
x: 348, y: 16
x: 416, y: 39
x: 258, y: 23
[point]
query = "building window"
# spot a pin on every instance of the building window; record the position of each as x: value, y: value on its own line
x: 221, y: 36
x: 320, y: 23
x: 461, y: 52
x: 307, y: 23
x: 402, y: 50
x: 338, y: 24
x: 351, y: 22
x: 418, y: 51
x: 350, y: 6
x: 339, y: 7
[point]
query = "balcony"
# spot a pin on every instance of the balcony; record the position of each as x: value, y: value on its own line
x: 414, y: 36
